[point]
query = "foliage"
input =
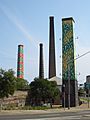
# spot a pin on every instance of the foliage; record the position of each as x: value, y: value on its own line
x: 42, y: 90
x: 14, y: 107
x: 21, y: 84
x: 7, y: 83
x: 81, y: 91
x: 34, y: 108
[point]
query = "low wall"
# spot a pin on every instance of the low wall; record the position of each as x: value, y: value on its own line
x: 18, y: 99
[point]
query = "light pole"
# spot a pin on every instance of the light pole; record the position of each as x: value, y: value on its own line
x: 88, y: 97
x: 64, y: 95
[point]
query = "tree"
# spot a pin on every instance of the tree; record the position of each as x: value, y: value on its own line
x: 81, y: 92
x: 54, y: 92
x: 42, y: 90
x: 21, y: 84
x: 7, y: 83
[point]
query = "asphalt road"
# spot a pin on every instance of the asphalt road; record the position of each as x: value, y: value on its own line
x: 80, y: 115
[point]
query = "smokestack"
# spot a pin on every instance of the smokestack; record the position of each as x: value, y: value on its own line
x: 52, y: 64
x: 20, y: 64
x: 41, y: 68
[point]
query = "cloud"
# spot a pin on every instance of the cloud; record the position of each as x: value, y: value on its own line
x: 16, y: 21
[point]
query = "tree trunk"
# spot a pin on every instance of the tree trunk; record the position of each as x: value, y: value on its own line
x: 1, y: 104
x: 51, y: 102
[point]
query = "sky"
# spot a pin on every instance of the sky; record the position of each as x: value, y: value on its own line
x: 27, y: 22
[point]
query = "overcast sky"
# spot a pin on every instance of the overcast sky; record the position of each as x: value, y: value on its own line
x: 27, y: 22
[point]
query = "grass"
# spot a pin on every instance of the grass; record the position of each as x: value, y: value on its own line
x: 28, y: 107
x: 84, y: 99
x: 35, y: 108
x: 13, y: 107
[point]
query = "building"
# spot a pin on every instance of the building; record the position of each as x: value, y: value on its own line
x: 87, y: 85
x: 58, y: 81
x: 88, y: 79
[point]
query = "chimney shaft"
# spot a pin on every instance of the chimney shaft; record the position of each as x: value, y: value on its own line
x: 41, y: 68
x: 20, y: 64
x: 52, y: 64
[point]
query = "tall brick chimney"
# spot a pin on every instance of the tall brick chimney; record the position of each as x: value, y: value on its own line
x: 20, y: 62
x: 41, y: 65
x: 52, y: 64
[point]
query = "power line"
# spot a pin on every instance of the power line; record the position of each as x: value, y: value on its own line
x: 82, y: 55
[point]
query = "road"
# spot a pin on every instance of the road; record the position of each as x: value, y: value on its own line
x: 79, y: 115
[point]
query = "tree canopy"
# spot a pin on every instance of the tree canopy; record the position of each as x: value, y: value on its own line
x: 81, y: 92
x: 7, y: 83
x: 42, y: 90
x: 21, y: 84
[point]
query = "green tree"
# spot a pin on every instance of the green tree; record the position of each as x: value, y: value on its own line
x: 42, y: 90
x: 7, y: 83
x: 22, y: 84
x: 81, y: 92
x: 53, y: 92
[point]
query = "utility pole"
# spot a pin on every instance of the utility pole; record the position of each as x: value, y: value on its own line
x: 88, y: 97
x: 64, y: 95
